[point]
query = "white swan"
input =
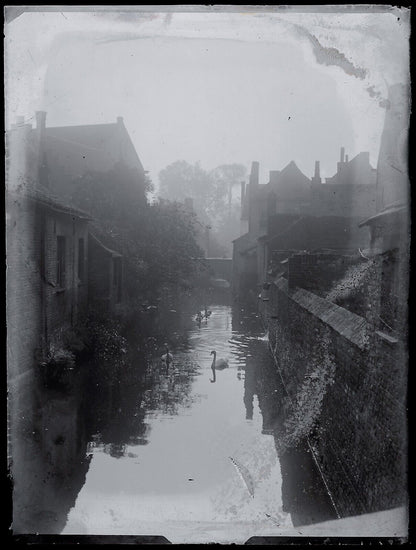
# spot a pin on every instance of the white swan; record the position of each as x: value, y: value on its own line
x: 218, y: 364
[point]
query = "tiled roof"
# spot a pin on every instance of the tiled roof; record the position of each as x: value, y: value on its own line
x: 43, y: 196
x: 103, y: 247
x: 73, y: 150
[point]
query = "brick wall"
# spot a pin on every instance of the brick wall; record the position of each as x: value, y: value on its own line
x: 347, y: 387
x: 35, y: 310
x: 23, y: 285
x: 23, y: 317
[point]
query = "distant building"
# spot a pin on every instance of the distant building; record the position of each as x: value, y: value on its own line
x: 287, y: 192
x: 291, y: 190
x: 351, y: 192
x: 294, y: 212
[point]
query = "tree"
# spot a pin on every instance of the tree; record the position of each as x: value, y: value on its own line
x: 226, y: 177
x: 212, y: 197
x: 181, y: 180
x: 157, y: 240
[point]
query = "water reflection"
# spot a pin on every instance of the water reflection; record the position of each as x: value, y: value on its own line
x: 165, y: 442
x: 179, y: 437
x: 50, y: 460
x: 304, y: 495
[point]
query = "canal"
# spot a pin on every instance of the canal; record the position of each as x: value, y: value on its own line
x: 174, y: 451
x: 192, y: 455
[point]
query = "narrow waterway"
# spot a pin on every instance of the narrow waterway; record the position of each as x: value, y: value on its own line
x: 192, y: 456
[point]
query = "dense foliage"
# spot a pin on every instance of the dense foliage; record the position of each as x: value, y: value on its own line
x: 212, y: 197
x: 157, y: 240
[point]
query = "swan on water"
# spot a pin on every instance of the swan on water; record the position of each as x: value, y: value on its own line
x: 218, y: 364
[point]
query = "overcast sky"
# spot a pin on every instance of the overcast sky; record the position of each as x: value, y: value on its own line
x: 213, y: 87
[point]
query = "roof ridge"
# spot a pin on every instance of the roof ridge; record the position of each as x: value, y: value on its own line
x: 80, y: 126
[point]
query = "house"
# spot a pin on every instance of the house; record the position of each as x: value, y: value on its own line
x: 47, y: 254
x: 390, y: 227
x: 46, y: 287
x: 287, y: 193
x: 350, y: 192
x: 72, y: 152
x: 72, y: 156
x: 47, y: 265
x: 56, y: 271
x: 52, y: 275
x: 294, y: 212
x: 96, y: 168
x: 291, y: 190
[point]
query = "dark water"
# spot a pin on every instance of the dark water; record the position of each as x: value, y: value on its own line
x: 174, y: 453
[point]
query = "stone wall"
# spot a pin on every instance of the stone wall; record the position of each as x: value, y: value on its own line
x: 347, y: 386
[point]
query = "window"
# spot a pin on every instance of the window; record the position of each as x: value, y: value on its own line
x: 81, y: 260
x: 60, y: 261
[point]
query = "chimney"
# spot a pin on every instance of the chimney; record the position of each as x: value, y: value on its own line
x: 342, y: 154
x: 120, y: 120
x: 346, y: 158
x: 254, y: 175
x: 317, y: 176
x: 40, y: 120
x: 243, y: 192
